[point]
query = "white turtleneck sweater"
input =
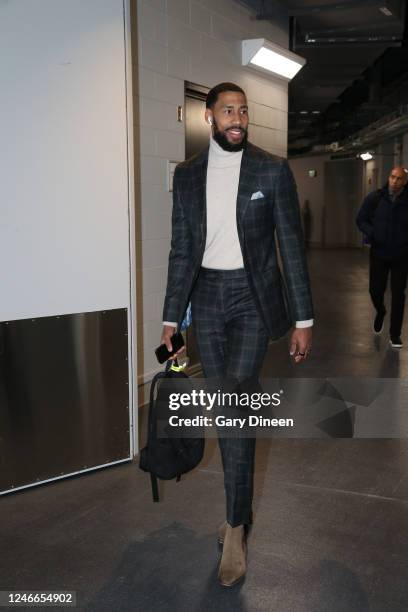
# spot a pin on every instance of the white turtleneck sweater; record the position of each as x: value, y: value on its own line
x: 222, y: 248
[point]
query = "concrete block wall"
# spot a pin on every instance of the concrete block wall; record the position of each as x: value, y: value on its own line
x: 178, y: 41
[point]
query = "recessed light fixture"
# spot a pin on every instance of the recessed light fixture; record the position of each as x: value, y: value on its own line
x: 316, y: 112
x: 386, y: 11
x: 304, y: 112
x: 366, y: 156
x: 268, y: 57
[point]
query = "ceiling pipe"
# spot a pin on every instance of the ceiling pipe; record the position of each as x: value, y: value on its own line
x: 292, y: 33
x: 360, y: 28
x: 356, y: 41
x: 298, y: 11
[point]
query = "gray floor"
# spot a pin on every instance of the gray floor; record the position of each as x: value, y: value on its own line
x: 330, y: 530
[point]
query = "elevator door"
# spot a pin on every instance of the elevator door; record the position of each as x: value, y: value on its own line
x: 197, y: 134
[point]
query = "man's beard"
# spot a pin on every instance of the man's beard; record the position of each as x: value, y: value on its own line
x: 225, y: 144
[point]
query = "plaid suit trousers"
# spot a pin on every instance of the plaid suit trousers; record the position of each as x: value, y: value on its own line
x: 232, y: 342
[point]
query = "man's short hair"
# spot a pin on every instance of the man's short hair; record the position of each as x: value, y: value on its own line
x: 213, y: 94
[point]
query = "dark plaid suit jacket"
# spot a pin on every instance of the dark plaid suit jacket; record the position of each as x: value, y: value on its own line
x: 259, y: 221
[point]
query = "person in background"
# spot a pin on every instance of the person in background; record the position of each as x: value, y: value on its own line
x: 383, y: 219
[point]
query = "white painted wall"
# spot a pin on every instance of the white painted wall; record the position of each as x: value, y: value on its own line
x: 198, y: 41
x: 64, y: 237
x: 65, y: 185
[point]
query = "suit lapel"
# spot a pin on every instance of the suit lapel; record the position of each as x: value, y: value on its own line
x: 245, y: 186
x: 199, y: 189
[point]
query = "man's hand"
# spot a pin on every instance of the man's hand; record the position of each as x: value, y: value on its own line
x: 301, y: 343
x: 168, y: 331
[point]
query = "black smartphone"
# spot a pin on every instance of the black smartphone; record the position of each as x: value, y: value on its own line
x: 162, y: 354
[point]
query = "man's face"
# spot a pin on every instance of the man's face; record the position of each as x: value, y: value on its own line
x: 397, y: 179
x: 229, y: 120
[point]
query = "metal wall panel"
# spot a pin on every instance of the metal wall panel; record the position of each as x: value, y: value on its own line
x: 343, y: 193
x: 64, y: 395
x: 197, y: 134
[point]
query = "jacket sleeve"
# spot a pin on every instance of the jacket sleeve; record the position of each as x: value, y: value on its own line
x: 291, y: 244
x: 179, y: 266
x: 364, y: 217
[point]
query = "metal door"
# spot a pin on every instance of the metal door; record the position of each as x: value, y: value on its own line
x: 197, y: 134
x: 343, y: 192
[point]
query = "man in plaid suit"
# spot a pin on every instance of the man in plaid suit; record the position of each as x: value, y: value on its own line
x: 230, y: 204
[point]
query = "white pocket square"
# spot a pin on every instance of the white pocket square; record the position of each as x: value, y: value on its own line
x: 257, y: 195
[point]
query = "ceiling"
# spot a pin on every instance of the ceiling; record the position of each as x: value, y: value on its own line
x: 342, y: 40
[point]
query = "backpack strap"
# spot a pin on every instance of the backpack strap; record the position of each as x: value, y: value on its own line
x: 151, y: 427
x: 155, y: 488
x: 175, y: 367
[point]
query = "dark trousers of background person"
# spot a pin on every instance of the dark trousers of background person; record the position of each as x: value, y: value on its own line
x: 232, y: 342
x: 379, y: 271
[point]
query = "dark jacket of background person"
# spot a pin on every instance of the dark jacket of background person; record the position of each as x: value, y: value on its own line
x: 385, y: 223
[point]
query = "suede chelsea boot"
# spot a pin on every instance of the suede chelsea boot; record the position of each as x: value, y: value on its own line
x: 221, y: 533
x: 233, y: 560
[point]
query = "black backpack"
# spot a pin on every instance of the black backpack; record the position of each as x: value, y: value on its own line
x: 170, y: 457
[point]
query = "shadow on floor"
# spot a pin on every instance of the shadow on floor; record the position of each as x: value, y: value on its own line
x: 170, y: 569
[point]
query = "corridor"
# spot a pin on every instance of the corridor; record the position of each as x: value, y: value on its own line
x: 330, y: 528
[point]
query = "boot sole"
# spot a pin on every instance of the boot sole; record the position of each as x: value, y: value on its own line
x: 231, y: 584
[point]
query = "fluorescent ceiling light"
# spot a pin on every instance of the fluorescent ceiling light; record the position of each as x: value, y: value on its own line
x: 386, y: 11
x: 366, y: 156
x: 271, y: 58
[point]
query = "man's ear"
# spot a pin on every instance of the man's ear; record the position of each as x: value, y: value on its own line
x: 208, y: 117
